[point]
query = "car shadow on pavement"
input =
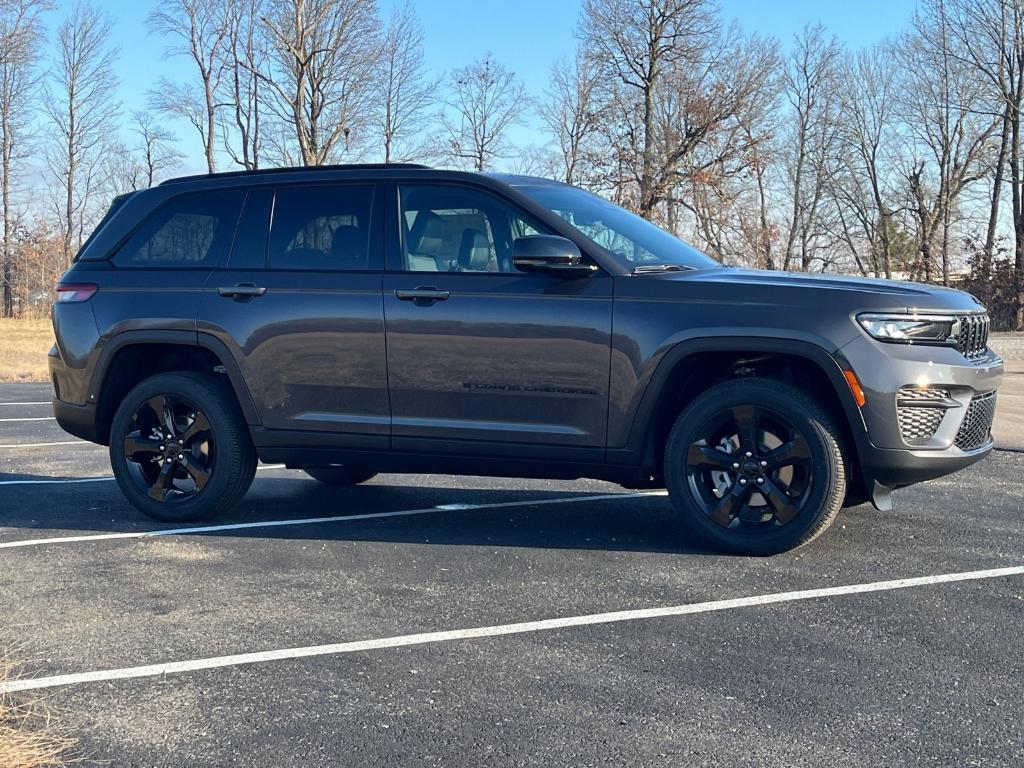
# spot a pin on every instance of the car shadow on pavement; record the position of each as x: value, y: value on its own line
x: 632, y: 523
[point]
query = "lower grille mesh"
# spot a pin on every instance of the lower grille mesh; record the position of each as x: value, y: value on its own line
x: 977, y: 424
x: 918, y: 425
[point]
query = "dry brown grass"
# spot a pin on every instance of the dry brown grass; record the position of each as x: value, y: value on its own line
x: 28, y: 736
x: 23, y: 348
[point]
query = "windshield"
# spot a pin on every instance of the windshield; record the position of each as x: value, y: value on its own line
x: 631, y: 240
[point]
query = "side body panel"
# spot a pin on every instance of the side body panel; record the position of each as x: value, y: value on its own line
x: 310, y: 347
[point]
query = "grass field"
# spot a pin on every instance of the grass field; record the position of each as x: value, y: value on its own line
x: 23, y: 348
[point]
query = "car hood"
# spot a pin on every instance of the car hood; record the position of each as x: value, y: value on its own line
x: 898, y: 293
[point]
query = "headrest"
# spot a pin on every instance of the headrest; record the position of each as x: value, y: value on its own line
x: 348, y: 246
x: 474, y: 251
x: 426, y: 233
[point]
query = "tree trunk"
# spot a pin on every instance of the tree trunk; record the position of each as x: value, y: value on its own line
x: 5, y: 188
x: 997, y: 189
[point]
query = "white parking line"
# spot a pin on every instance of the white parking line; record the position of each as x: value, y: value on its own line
x: 104, y: 478
x: 42, y: 402
x: 47, y: 445
x: 58, y: 481
x: 34, y: 418
x: 312, y: 520
x: 423, y: 638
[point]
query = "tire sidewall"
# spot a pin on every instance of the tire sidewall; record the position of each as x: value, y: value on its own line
x: 828, y: 486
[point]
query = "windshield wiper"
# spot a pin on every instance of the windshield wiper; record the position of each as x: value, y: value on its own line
x: 644, y: 269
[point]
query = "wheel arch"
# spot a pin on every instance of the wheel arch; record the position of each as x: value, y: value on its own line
x: 691, y: 366
x: 128, y: 358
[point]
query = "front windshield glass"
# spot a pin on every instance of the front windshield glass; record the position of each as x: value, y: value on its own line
x: 630, y: 239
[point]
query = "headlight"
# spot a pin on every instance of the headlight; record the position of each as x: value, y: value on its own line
x: 910, y: 329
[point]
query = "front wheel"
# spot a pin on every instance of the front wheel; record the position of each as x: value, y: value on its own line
x: 180, y: 448
x: 754, y: 467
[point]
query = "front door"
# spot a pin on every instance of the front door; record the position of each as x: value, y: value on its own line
x: 483, y: 359
x: 301, y: 311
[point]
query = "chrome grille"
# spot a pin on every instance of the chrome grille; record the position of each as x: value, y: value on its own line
x: 977, y: 424
x: 918, y: 425
x: 972, y: 338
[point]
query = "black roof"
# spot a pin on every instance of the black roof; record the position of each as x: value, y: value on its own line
x: 294, y: 169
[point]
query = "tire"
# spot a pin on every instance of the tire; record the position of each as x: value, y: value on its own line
x: 339, y: 476
x: 779, y: 498
x: 209, y: 471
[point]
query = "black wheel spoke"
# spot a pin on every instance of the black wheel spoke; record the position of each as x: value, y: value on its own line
x: 793, y: 452
x: 779, y: 501
x: 704, y: 456
x: 746, y: 426
x: 199, y: 428
x: 730, y: 505
x: 161, y: 406
x: 163, y: 483
x: 196, y: 471
x: 170, y: 439
x: 750, y: 469
x: 139, y: 449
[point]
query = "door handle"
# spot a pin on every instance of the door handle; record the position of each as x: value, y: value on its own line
x: 242, y: 291
x: 423, y: 296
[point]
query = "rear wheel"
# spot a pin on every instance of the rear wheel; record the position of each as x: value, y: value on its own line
x: 180, y: 448
x: 339, y: 476
x: 754, y: 467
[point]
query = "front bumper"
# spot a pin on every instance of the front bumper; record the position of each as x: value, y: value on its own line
x: 898, y: 449
x: 897, y: 468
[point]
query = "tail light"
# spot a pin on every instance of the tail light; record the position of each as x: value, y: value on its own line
x: 69, y: 293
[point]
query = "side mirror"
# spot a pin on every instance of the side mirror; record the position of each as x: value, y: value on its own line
x: 550, y: 254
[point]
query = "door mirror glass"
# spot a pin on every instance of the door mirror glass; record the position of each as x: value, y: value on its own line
x: 551, y: 254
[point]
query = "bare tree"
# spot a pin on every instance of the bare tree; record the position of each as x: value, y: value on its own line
x: 711, y: 127
x: 637, y: 45
x: 486, y: 101
x: 810, y: 89
x: 950, y: 143
x: 21, y: 36
x: 862, y: 168
x: 199, y: 28
x: 154, y: 146
x: 572, y: 111
x: 989, y: 37
x: 81, y: 103
x: 406, y: 93
x: 324, y: 53
x: 244, y: 96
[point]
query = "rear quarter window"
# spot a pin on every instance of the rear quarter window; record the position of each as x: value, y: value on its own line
x: 193, y: 230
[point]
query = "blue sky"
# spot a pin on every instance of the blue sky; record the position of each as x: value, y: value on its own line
x: 525, y: 35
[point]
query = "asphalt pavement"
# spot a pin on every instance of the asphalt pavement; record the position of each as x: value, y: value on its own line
x: 398, y: 630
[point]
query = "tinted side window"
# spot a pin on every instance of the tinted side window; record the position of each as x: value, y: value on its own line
x: 458, y: 229
x: 250, y: 248
x: 324, y: 228
x: 192, y: 230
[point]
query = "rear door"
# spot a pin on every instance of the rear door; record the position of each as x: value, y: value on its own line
x: 299, y: 306
x: 483, y: 358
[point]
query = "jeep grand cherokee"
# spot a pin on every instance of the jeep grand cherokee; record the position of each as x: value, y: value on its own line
x: 394, y: 318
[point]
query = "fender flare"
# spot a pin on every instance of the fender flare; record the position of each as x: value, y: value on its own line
x: 125, y: 339
x: 831, y: 364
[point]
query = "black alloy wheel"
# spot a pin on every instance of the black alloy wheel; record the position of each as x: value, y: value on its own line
x: 180, y: 447
x: 171, y: 453
x: 750, y: 468
x: 754, y: 466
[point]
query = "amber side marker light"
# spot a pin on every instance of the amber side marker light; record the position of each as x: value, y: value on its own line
x: 855, y: 388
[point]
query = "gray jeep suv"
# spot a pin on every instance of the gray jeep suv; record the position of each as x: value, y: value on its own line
x: 395, y: 318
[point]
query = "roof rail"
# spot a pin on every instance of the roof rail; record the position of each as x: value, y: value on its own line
x: 294, y: 169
